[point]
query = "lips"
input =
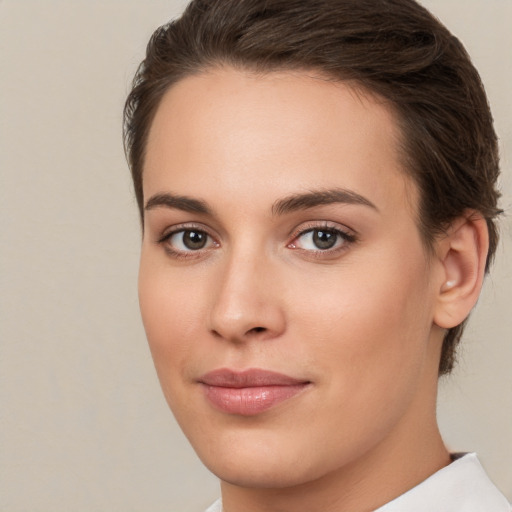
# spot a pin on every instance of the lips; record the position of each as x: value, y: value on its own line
x: 249, y: 392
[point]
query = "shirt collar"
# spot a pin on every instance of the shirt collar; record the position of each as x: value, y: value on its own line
x: 462, y: 486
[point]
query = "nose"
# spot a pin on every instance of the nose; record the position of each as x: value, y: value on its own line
x: 246, y: 302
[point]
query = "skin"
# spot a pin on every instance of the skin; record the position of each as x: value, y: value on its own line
x: 362, y: 322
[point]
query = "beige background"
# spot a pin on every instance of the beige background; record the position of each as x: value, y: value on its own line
x: 83, y: 424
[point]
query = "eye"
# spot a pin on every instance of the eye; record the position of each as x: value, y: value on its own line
x: 321, y: 239
x: 188, y: 240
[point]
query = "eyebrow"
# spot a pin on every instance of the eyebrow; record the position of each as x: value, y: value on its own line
x: 318, y: 198
x: 177, y: 202
x: 283, y: 206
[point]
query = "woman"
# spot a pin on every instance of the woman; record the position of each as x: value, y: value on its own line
x: 317, y: 187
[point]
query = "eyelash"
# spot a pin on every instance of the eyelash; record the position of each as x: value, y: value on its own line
x: 347, y: 238
x: 184, y: 228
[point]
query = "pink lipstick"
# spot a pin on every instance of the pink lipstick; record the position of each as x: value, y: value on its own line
x: 249, y: 392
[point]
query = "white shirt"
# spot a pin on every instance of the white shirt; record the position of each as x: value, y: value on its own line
x: 462, y: 486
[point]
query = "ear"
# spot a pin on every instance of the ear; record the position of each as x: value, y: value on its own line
x: 462, y: 254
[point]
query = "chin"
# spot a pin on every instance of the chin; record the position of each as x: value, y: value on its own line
x: 270, y: 473
x: 263, y: 460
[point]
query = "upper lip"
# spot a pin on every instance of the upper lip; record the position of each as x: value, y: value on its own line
x: 252, y: 377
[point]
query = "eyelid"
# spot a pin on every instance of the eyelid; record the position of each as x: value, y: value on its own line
x: 322, y: 224
x: 186, y: 226
x: 348, y: 235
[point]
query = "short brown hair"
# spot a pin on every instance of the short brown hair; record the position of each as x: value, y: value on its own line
x: 394, y: 48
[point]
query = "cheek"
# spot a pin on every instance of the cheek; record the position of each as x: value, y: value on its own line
x: 170, y: 313
x: 366, y: 338
x: 372, y: 325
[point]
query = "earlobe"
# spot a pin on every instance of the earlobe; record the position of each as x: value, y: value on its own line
x: 462, y: 253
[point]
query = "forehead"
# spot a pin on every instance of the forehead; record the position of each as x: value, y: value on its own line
x: 232, y: 132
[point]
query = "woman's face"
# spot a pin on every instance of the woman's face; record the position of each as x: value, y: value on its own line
x: 284, y: 287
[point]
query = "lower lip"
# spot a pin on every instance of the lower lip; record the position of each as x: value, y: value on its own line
x: 250, y: 401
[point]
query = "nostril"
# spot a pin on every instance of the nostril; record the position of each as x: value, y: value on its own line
x: 256, y: 330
